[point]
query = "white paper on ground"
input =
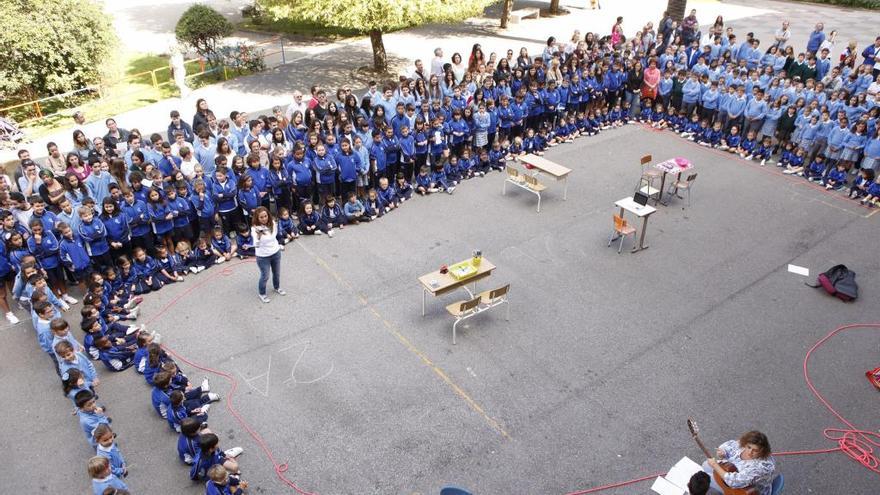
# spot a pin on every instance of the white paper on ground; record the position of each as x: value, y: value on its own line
x: 681, y: 473
x: 800, y: 270
x: 665, y: 487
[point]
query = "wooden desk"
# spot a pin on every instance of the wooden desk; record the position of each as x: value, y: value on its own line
x: 552, y: 169
x: 444, y: 283
x: 643, y: 212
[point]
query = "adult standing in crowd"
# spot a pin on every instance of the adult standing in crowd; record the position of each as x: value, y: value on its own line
x: 816, y: 39
x: 264, y: 232
x: 782, y: 36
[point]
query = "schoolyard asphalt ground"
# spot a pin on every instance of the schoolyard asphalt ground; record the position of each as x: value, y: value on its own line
x: 591, y: 380
x: 588, y: 383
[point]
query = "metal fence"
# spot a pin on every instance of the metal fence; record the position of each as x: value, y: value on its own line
x: 33, y: 112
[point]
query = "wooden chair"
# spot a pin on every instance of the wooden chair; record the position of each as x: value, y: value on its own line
x: 686, y: 184
x: 536, y: 187
x: 494, y: 297
x: 463, y: 310
x: 621, y: 230
x: 513, y: 174
x: 649, y: 175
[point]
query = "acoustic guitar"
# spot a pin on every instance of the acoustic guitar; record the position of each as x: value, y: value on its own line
x: 727, y: 466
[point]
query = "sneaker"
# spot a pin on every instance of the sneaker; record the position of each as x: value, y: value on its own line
x: 133, y: 303
x: 233, y: 452
x: 200, y: 268
x: 220, y: 260
x: 205, y: 408
x: 179, y: 278
x: 213, y: 397
x: 787, y: 172
x: 763, y: 162
x: 263, y: 298
x: 157, y: 337
x: 193, y: 270
x: 11, y: 318
x: 69, y: 300
x: 133, y: 313
x: 65, y: 306
x: 206, y: 387
x: 281, y: 292
x: 450, y: 190
x: 318, y: 232
x: 330, y: 233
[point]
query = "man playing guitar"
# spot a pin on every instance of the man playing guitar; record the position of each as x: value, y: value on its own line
x: 751, y: 457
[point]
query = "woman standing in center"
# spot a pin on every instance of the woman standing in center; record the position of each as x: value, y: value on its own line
x: 264, y: 232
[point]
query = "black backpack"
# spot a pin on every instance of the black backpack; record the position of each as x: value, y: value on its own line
x: 839, y: 281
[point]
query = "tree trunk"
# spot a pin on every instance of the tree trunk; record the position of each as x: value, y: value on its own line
x: 675, y: 8
x: 380, y: 59
x: 505, y: 13
x: 554, y: 7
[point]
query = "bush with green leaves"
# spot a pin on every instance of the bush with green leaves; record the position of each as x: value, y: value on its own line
x: 203, y: 28
x: 52, y: 46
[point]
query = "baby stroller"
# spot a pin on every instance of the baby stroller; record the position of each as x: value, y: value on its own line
x: 10, y: 134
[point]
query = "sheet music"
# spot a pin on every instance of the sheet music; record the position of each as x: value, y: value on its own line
x: 676, y: 480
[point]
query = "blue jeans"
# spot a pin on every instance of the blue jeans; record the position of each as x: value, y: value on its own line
x: 265, y: 263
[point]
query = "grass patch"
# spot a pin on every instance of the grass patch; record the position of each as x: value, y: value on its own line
x: 297, y: 28
x: 131, y: 85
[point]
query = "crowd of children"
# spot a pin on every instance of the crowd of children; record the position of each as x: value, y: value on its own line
x: 126, y: 213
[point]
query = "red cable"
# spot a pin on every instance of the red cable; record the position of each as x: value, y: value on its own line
x: 855, y: 443
x: 280, y: 469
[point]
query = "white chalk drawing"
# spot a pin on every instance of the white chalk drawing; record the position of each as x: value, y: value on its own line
x: 262, y: 383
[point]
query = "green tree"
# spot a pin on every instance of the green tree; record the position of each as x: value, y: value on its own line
x: 52, y: 46
x: 203, y: 28
x: 374, y: 17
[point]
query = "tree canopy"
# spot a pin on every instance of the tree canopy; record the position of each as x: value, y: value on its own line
x: 203, y: 28
x: 374, y: 16
x: 52, y: 46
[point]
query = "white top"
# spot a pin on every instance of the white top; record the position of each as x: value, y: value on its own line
x: 636, y: 209
x: 265, y: 242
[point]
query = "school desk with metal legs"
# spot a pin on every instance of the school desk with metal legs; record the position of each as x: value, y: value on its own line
x: 437, y: 284
x: 643, y: 212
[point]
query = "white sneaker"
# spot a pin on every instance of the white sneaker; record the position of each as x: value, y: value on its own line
x: 213, y: 397
x: 179, y: 278
x: 205, y: 408
x: 281, y: 292
x: 206, y: 387
x: 200, y: 268
x: 450, y: 190
x: 132, y: 329
x: 65, y: 306
x: 11, y: 318
x: 193, y: 269
x: 220, y: 260
x: 318, y: 232
x: 233, y: 452
x: 263, y: 298
x: 157, y: 337
x: 763, y: 162
x: 69, y: 300
x: 134, y: 312
x: 330, y: 233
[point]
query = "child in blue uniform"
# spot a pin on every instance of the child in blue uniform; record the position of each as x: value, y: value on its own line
x: 222, y: 483
x: 372, y: 206
x: 836, y: 178
x: 209, y: 454
x: 287, y: 230
x: 147, y: 272
x: 114, y: 357
x: 764, y: 151
x: 310, y: 222
x: 244, y: 241
x: 90, y: 415
x: 222, y: 247
x: 170, y: 267
x: 102, y: 477
x: 107, y: 447
x: 332, y: 214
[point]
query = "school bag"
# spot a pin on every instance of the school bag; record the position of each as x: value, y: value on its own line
x: 839, y: 281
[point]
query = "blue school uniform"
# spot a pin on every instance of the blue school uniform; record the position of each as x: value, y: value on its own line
x: 117, y: 461
x: 386, y: 196
x: 372, y: 208
x: 224, y: 195
x: 203, y: 461
x: 88, y: 421
x: 763, y: 152
x: 816, y: 170
x: 837, y: 176
x: 747, y: 145
x: 187, y: 448
x: 158, y: 212
x: 348, y: 164
x: 333, y: 215
x: 100, y: 485
x: 161, y: 401
x: 403, y: 192
x: 95, y: 235
x: 83, y: 364
x: 46, y: 251
x: 245, y: 243
x: 138, y: 217
x: 249, y: 199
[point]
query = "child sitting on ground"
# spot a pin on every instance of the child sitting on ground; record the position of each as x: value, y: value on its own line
x: 332, y: 214
x: 222, y: 483
x: 222, y: 246
x: 244, y: 241
x: 354, y: 210
x: 861, y: 183
x: 816, y: 172
x: 836, y: 178
x: 872, y: 197
x: 310, y: 222
x: 287, y: 230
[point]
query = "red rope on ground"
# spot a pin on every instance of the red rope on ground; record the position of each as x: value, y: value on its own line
x: 856, y: 443
x: 280, y: 468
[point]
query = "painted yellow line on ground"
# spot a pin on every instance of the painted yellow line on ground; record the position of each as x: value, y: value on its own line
x: 392, y: 329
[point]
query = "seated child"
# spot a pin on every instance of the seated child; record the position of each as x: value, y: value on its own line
x: 747, y: 146
x: 702, y: 133
x: 423, y: 182
x: 785, y: 158
x: 372, y: 206
x: 287, y: 230
x: 179, y: 409
x: 646, y: 113
x: 204, y: 253
x: 354, y: 210
x: 658, y: 117
x: 222, y: 246
x: 310, y: 222
x: 861, y: 183
x: 711, y: 137
x: 188, y: 258
x: 692, y: 128
x: 332, y: 215
x: 147, y: 271
x: 836, y: 178
x: 438, y: 178
x: 188, y: 440
x: 114, y: 357
x: 222, y: 483
x: 816, y: 172
x: 402, y: 188
x: 764, y: 151
x: 386, y: 194
x: 244, y: 241
x: 730, y: 142
x: 497, y: 157
x: 872, y: 196
x: 209, y: 454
